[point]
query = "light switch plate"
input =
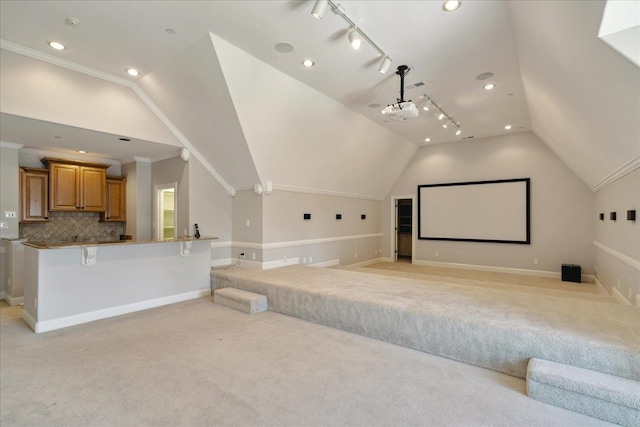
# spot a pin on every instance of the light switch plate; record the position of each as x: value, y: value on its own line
x: 9, y: 214
x: 3, y: 224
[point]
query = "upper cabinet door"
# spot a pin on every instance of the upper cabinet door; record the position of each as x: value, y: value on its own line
x: 64, y: 189
x: 93, y: 189
x: 34, y: 189
x: 116, y: 200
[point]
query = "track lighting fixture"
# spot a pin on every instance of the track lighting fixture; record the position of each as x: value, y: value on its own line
x: 356, y: 35
x: 446, y: 124
x: 441, y: 115
x: 354, y: 39
x: 386, y: 63
x: 319, y: 8
x: 458, y: 131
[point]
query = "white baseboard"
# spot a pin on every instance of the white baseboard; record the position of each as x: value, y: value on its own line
x: 31, y: 321
x: 14, y: 300
x: 77, y: 319
x: 619, y: 297
x: 326, y: 264
x: 280, y: 263
x: 599, y: 285
x: 509, y: 270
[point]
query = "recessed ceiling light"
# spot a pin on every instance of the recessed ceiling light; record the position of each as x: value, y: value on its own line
x: 82, y: 152
x: 170, y: 31
x: 507, y: 127
x: 489, y: 86
x: 427, y: 140
x: 71, y: 21
x: 56, y: 45
x: 451, y: 5
x: 307, y: 63
x: 132, y: 72
x: 283, y: 47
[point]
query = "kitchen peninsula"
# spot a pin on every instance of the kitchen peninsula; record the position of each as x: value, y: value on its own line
x: 73, y: 283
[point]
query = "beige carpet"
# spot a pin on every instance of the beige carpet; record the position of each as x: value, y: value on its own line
x: 198, y: 364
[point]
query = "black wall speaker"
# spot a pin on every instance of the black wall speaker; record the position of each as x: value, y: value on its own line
x: 338, y: 216
x: 631, y: 215
x: 612, y: 216
x: 363, y: 216
x: 307, y: 216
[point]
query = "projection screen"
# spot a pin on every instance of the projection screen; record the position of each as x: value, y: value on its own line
x: 481, y: 211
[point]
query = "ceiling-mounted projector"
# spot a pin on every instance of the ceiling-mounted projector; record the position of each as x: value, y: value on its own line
x: 402, y: 110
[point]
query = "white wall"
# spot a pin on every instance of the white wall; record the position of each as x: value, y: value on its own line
x: 561, y: 204
x: 617, y: 243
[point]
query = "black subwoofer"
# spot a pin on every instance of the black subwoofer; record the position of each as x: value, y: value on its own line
x: 571, y: 273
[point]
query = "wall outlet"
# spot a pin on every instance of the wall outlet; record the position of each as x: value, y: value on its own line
x: 248, y: 223
x: 304, y: 260
x: 310, y: 260
x: 535, y: 261
x: 9, y: 214
x: 241, y: 254
x: 253, y: 256
x: 618, y: 283
x: 437, y: 253
x: 3, y: 224
x: 355, y: 255
x: 284, y: 258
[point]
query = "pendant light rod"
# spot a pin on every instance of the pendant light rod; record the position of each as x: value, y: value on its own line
x: 339, y: 10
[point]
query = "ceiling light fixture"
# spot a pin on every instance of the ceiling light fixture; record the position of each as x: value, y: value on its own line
x: 56, y: 45
x: 82, y: 152
x: 386, y: 63
x: 307, y: 63
x: 132, y: 72
x: 427, y: 140
x: 458, y: 131
x: 425, y: 107
x: 507, y: 127
x: 441, y: 115
x: 489, y: 86
x: 319, y: 8
x: 451, y: 5
x: 354, y: 39
x: 356, y: 33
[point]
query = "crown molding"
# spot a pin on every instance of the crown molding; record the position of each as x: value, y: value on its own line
x: 21, y: 50
x: 623, y: 170
x: 70, y: 156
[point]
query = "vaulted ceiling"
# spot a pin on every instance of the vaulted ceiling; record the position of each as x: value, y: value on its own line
x: 213, y: 81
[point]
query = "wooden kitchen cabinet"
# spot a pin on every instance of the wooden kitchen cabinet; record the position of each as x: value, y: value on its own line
x: 77, y: 186
x: 116, y: 200
x: 34, y: 190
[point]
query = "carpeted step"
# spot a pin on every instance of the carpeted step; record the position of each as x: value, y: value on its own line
x: 247, y: 302
x: 592, y: 393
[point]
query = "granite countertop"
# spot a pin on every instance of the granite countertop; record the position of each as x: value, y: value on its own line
x: 54, y: 245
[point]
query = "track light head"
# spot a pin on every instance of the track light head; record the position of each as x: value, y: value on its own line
x: 458, y: 131
x: 354, y: 39
x: 425, y: 107
x: 319, y: 8
x: 386, y: 63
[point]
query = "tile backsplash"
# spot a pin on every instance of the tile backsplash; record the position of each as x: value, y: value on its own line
x: 64, y: 227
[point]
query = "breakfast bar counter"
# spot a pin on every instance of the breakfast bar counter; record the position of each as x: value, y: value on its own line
x: 67, y: 284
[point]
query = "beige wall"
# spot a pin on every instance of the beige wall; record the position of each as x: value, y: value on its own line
x: 139, y: 200
x: 617, y: 243
x: 561, y: 204
x: 210, y: 203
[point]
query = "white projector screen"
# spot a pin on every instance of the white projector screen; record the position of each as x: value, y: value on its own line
x: 481, y: 211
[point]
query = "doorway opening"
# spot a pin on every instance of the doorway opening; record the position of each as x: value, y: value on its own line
x: 166, y: 211
x: 404, y: 230
x: 404, y: 220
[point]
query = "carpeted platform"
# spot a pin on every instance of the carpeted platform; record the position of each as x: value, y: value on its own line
x: 495, y: 328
